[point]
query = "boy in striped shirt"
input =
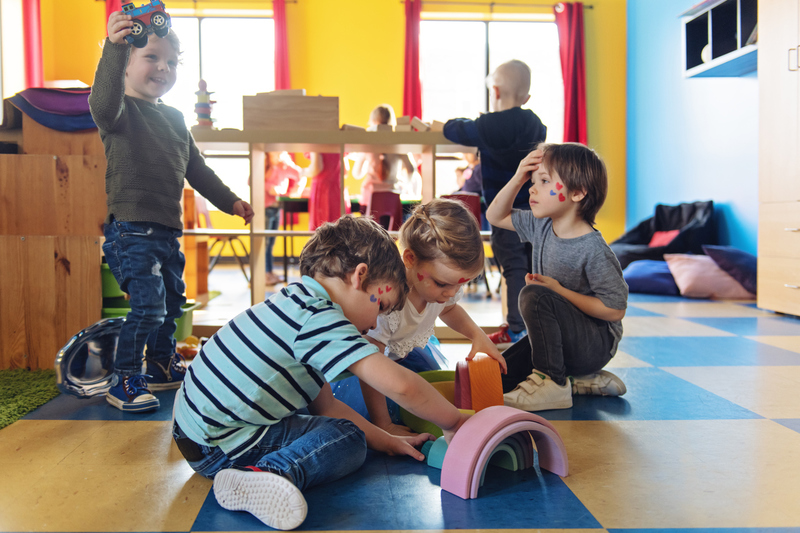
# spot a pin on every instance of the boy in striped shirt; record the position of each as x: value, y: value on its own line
x: 236, y: 414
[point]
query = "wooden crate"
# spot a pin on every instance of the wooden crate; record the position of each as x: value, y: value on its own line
x: 38, y: 139
x: 50, y: 289
x: 287, y: 112
x: 49, y: 195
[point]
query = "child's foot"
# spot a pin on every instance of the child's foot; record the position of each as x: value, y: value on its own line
x: 130, y: 394
x: 273, y: 279
x: 504, y: 337
x: 539, y: 393
x: 271, y: 498
x: 167, y: 377
x: 601, y: 383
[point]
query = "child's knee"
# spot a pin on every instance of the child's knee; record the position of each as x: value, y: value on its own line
x: 533, y: 296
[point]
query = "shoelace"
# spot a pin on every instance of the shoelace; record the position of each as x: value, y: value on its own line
x: 134, y: 384
x: 177, y: 363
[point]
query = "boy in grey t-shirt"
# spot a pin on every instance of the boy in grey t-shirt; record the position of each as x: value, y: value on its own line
x: 574, y: 301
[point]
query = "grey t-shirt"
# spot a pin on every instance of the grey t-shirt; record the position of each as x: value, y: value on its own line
x: 585, y: 264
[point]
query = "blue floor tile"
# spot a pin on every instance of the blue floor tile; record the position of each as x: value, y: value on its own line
x: 654, y: 298
x: 391, y: 493
x: 791, y: 423
x: 66, y: 407
x: 712, y: 530
x: 706, y: 351
x: 653, y: 394
x: 748, y: 326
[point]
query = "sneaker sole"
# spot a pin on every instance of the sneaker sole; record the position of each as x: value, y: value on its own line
x: 561, y: 404
x: 269, y: 497
x: 170, y: 385
x: 504, y: 346
x: 615, y: 387
x: 133, y: 407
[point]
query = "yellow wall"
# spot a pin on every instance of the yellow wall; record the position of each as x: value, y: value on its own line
x: 355, y: 50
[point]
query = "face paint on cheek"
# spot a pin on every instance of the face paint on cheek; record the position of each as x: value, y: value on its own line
x: 559, y: 186
x: 380, y: 291
x: 372, y: 298
x: 561, y: 198
x: 388, y: 288
x: 420, y: 277
x: 552, y: 193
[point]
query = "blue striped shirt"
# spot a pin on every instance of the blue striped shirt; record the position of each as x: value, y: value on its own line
x: 264, y: 365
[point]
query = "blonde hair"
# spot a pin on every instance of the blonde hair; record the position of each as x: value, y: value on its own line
x: 514, y: 80
x: 337, y: 248
x: 444, y: 230
x: 383, y: 114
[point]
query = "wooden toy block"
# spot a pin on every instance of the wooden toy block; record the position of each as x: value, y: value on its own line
x: 437, y: 126
x: 419, y: 125
x: 403, y: 120
x: 384, y: 127
x: 404, y: 127
x: 485, y: 382
x: 290, y: 112
x: 351, y: 127
x: 463, y: 394
x: 287, y: 92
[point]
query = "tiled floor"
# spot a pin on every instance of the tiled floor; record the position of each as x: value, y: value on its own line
x: 707, y: 437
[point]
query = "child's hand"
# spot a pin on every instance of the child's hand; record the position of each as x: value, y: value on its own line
x: 538, y: 279
x: 244, y: 210
x: 527, y: 166
x: 484, y: 345
x: 408, y: 445
x: 119, y: 25
x: 398, y: 431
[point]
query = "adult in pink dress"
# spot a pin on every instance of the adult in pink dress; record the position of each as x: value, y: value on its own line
x: 324, y: 204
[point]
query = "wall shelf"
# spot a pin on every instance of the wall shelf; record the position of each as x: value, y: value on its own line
x: 717, y: 38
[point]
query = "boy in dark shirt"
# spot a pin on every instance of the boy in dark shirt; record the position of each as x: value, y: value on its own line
x: 503, y: 138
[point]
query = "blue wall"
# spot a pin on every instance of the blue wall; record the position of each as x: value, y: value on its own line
x: 688, y: 138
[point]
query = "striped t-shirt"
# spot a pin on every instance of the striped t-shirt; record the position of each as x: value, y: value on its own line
x: 264, y: 365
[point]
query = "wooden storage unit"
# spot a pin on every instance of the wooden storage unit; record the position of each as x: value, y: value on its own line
x: 779, y: 173
x: 725, y: 27
x: 52, y: 206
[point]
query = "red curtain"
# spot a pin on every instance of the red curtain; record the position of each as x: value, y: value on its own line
x: 412, y: 87
x: 111, y: 6
x: 282, y: 79
x: 569, y: 19
x: 32, y: 35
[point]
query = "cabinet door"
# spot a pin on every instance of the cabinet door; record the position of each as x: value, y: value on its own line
x: 779, y: 176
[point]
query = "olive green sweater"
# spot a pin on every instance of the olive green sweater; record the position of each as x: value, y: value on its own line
x: 149, y: 151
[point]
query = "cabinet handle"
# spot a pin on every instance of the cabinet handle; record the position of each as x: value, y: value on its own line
x: 791, y: 229
x: 788, y: 286
x: 789, y: 57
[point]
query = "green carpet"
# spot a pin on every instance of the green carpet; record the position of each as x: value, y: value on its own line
x: 22, y: 391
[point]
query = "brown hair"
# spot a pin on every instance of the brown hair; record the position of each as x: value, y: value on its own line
x: 383, y: 114
x: 337, y: 248
x: 444, y: 229
x: 581, y: 169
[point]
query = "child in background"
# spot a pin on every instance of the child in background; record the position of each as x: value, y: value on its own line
x: 385, y: 172
x: 236, y: 416
x: 150, y: 153
x: 442, y: 251
x: 574, y: 301
x: 503, y: 137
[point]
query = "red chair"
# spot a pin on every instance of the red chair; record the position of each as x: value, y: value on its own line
x: 387, y: 210
x: 473, y: 202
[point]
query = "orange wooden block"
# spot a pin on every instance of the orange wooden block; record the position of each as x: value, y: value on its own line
x: 485, y: 382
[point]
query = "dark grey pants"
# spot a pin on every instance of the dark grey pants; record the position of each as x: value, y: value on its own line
x: 514, y: 257
x: 562, y: 340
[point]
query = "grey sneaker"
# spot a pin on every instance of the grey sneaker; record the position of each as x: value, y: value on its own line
x: 271, y: 498
x: 539, y: 393
x: 602, y: 383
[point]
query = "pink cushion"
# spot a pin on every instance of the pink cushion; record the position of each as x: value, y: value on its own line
x: 663, y: 238
x: 698, y: 276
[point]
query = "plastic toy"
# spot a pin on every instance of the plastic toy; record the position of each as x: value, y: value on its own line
x: 203, y: 106
x: 147, y: 18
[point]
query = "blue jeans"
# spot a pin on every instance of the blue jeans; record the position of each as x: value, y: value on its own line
x: 271, y: 222
x: 146, y: 260
x: 514, y: 257
x: 309, y: 450
x: 562, y: 340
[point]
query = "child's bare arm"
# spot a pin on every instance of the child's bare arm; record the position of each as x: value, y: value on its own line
x: 499, y: 211
x: 377, y: 439
x: 410, y: 391
x: 459, y: 320
x: 379, y: 412
x: 590, y: 305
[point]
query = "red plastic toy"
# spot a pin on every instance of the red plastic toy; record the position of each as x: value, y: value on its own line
x: 147, y: 18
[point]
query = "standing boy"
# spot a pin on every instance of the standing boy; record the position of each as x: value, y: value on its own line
x: 236, y: 416
x: 503, y: 138
x: 149, y: 153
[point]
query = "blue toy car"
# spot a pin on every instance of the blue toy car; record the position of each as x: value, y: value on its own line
x: 148, y: 18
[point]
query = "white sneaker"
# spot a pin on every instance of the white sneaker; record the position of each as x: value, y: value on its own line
x: 602, y: 383
x: 271, y: 498
x: 539, y: 393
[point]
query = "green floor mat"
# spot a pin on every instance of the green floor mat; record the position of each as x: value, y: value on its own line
x: 22, y: 391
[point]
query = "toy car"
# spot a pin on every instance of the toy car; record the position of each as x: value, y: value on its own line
x: 148, y: 18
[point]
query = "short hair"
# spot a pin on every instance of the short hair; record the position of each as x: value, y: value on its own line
x: 337, y: 248
x: 446, y: 230
x: 383, y: 114
x: 513, y: 78
x: 580, y: 169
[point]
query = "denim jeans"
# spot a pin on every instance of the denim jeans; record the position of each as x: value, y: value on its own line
x: 309, y: 450
x: 515, y: 259
x: 146, y: 260
x: 271, y: 222
x: 562, y: 340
